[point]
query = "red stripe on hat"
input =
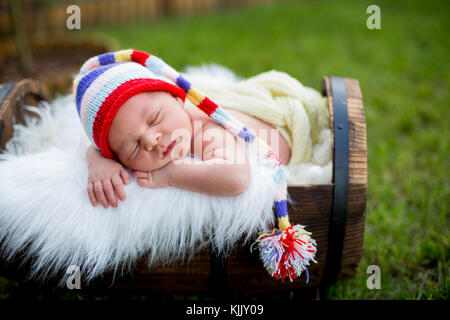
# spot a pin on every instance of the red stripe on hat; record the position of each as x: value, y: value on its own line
x: 139, y: 56
x: 207, y: 106
x: 117, y: 98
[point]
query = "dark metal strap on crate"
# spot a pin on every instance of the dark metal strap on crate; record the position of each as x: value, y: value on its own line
x: 341, y: 180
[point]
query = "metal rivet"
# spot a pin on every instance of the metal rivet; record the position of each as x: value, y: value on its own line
x: 340, y: 126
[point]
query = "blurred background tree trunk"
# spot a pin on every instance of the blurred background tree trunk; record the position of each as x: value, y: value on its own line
x: 20, y: 33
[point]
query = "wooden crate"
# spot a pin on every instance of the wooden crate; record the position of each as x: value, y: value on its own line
x: 334, y: 213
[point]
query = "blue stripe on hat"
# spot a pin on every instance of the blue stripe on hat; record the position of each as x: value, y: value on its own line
x: 106, y: 58
x: 246, y: 135
x: 86, y: 81
x: 183, y: 83
x: 281, y: 207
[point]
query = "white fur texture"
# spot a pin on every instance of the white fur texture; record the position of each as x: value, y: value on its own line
x: 44, y: 206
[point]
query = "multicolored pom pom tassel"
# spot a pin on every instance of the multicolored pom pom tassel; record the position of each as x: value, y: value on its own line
x: 287, y: 253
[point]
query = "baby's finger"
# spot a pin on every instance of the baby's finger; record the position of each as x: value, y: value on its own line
x: 109, y: 192
x: 125, y: 176
x: 118, y: 186
x: 144, y: 183
x: 99, y: 194
x: 91, y: 194
x: 140, y: 174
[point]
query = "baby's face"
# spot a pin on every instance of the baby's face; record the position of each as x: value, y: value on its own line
x: 150, y: 130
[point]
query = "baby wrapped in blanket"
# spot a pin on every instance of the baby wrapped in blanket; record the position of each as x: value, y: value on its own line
x: 136, y: 120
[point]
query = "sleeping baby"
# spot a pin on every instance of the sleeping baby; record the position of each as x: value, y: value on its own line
x: 136, y: 120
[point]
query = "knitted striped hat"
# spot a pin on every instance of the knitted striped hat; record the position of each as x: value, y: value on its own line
x: 106, y: 81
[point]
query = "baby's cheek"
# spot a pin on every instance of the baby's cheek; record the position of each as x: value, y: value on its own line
x: 139, y: 164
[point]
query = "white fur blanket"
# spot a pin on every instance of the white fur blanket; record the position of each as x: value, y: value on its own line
x: 44, y: 204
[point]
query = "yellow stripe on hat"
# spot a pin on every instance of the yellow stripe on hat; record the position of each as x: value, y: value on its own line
x: 262, y: 146
x: 123, y: 55
x: 283, y: 223
x: 75, y: 87
x: 195, y: 97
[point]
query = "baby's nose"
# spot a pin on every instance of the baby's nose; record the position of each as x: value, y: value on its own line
x: 152, y: 140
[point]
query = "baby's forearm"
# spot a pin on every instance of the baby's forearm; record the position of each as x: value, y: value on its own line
x: 210, y: 177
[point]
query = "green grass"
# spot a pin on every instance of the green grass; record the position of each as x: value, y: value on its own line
x: 403, y: 70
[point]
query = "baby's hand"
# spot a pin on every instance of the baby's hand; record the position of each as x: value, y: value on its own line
x: 105, y: 182
x: 153, y: 179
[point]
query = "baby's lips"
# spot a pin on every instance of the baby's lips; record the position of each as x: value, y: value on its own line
x: 170, y: 147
